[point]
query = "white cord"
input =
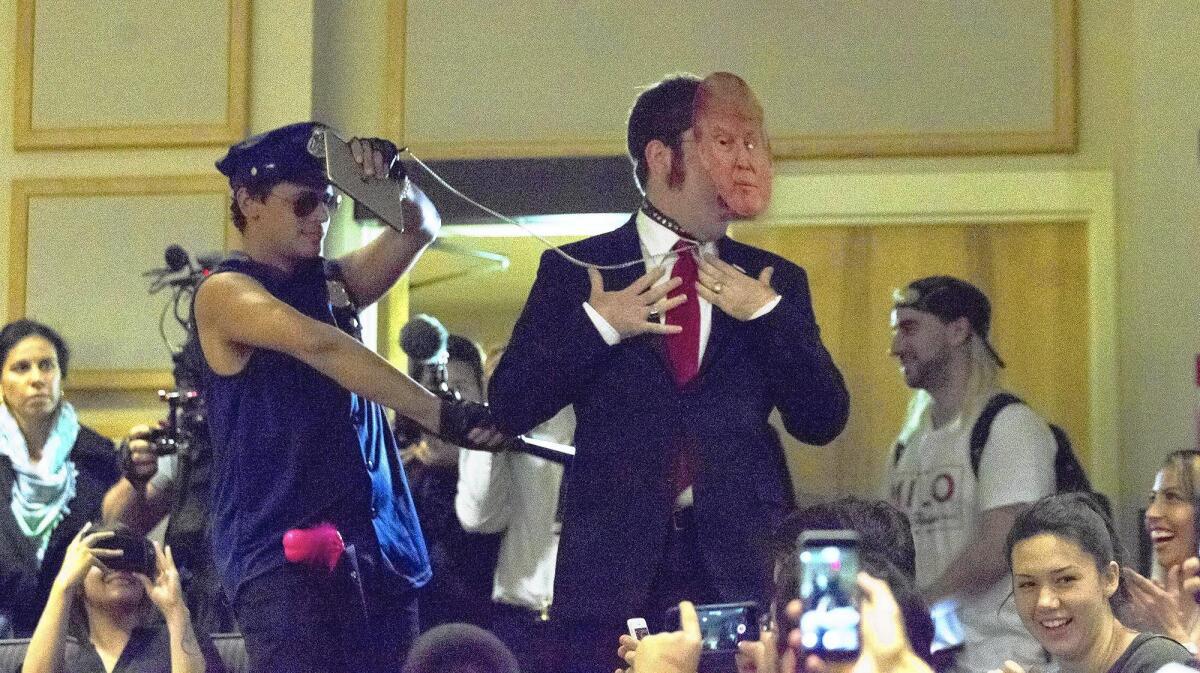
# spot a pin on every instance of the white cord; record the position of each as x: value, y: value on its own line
x: 657, y: 259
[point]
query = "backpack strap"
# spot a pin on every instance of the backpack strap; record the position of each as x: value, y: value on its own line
x: 342, y: 305
x: 983, y: 425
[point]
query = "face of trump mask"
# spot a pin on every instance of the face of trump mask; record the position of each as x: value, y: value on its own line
x: 728, y: 125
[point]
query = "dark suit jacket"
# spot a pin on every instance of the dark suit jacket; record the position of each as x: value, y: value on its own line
x: 24, y: 584
x: 617, y: 498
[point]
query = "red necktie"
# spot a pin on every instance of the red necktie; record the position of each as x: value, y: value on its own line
x: 683, y: 349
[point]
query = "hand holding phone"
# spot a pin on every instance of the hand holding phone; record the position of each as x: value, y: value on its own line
x: 827, y: 569
x: 637, y: 628
x: 722, y: 626
x: 137, y: 553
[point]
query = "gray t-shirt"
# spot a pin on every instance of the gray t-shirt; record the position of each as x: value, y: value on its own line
x: 1149, y: 652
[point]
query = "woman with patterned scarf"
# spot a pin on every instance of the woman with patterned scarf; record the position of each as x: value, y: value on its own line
x: 53, y: 471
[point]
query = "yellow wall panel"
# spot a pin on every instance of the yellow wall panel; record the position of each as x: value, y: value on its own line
x: 1035, y: 275
x: 482, y: 303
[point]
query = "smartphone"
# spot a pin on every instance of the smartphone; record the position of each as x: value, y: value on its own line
x: 827, y: 568
x: 722, y: 626
x: 637, y: 627
x: 138, y: 553
x: 380, y: 195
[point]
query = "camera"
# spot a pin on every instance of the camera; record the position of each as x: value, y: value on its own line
x: 185, y: 416
x: 137, y: 553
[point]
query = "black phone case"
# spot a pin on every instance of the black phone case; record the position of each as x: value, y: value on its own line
x: 138, y: 554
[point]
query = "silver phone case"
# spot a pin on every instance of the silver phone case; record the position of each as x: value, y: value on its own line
x: 380, y: 195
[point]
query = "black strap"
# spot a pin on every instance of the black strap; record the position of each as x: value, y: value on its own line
x: 979, y: 432
x: 983, y: 425
x: 341, y: 302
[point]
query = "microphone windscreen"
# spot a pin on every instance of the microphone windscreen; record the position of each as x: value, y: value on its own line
x: 424, y: 339
x: 176, y: 257
x: 209, y: 260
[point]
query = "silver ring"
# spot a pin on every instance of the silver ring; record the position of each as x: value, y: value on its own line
x: 654, y: 315
x: 717, y: 287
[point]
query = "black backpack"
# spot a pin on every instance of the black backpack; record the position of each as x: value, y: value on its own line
x: 1069, y: 475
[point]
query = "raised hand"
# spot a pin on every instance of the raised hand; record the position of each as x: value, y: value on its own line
x: 374, y: 155
x: 139, y: 464
x: 731, y: 290
x: 637, y: 308
x: 81, y: 555
x: 758, y: 656
x: 885, y: 646
x: 1165, y: 609
x: 164, y: 589
x: 674, y: 652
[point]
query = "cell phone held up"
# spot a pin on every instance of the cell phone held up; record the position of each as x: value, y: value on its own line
x: 137, y: 553
x: 722, y: 626
x: 827, y: 572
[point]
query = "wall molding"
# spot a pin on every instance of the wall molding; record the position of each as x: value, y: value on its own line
x: 1060, y: 137
x: 24, y: 190
x: 229, y: 130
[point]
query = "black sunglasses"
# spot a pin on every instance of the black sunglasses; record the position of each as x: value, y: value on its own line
x: 307, y: 201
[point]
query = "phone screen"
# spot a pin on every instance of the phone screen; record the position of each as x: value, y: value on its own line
x: 723, y: 626
x: 829, y: 591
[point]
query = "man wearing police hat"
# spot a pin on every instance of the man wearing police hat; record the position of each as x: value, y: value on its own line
x: 314, y: 531
x: 961, y: 515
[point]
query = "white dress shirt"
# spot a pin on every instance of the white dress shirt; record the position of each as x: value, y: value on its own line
x: 657, y: 242
x: 517, y: 493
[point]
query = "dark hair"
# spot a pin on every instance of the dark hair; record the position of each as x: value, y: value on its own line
x: 257, y: 191
x: 663, y: 112
x: 1078, y: 518
x: 459, y: 648
x: 461, y: 349
x: 886, y: 551
x: 15, y: 331
x: 882, y: 528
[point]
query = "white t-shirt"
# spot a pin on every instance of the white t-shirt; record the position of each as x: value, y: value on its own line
x: 934, y: 484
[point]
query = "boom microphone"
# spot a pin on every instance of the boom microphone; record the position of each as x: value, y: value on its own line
x: 177, y: 258
x: 424, y: 339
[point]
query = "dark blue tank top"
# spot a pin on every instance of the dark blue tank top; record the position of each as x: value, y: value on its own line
x: 293, y: 448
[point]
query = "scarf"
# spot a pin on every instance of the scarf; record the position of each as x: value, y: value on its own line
x: 41, y: 492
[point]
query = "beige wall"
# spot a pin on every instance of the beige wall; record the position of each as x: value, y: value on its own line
x: 1137, y: 89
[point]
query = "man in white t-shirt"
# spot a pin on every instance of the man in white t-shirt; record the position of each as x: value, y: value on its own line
x: 960, y: 519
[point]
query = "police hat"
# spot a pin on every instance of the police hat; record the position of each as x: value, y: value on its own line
x: 281, y: 155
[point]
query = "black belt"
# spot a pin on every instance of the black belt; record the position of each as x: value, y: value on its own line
x: 542, y: 615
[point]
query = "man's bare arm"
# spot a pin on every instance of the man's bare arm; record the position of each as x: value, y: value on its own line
x: 140, y: 509
x: 135, y: 500
x: 982, y: 561
x: 374, y: 268
x: 235, y: 314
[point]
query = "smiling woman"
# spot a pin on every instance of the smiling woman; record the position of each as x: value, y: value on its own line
x: 1066, y: 579
x: 1170, y: 513
x: 1159, y: 604
x: 53, y: 471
